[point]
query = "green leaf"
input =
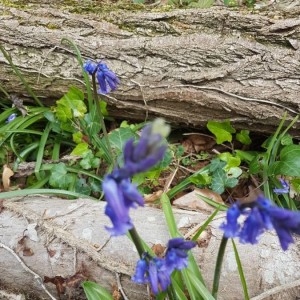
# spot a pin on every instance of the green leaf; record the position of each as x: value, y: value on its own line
x: 80, y: 149
x: 89, y: 161
x: 246, y: 156
x: 77, y: 137
x: 222, y: 131
x: 287, y: 140
x: 82, y: 187
x: 256, y: 164
x: 119, y: 137
x: 202, y: 4
x: 230, y: 160
x: 71, y: 105
x: 59, y: 177
x: 289, y: 163
x: 234, y: 172
x: 215, y: 164
x: 218, y: 181
x: 296, y: 185
x: 201, y: 179
x: 92, y: 121
x: 94, y: 291
x: 243, y: 137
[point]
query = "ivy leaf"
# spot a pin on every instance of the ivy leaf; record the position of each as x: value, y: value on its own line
x: 216, y: 164
x: 222, y: 131
x: 80, y: 149
x: 59, y: 177
x: 230, y: 160
x: 243, y: 137
x: 218, y: 181
x: 77, y: 137
x: 289, y: 163
x: 119, y: 137
x: 71, y: 105
x: 89, y: 161
x: 82, y: 187
x: 93, y: 124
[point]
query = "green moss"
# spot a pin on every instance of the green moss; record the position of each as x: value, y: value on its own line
x: 15, y: 4
x: 52, y: 26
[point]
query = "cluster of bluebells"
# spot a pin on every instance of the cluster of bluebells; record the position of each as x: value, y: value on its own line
x: 120, y: 194
x: 157, y: 271
x: 107, y: 79
x: 261, y: 215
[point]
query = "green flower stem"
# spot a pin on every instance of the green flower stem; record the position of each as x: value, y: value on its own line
x: 137, y: 241
x: 97, y: 103
x: 218, y: 268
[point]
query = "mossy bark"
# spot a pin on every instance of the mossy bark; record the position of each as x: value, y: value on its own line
x: 188, y: 66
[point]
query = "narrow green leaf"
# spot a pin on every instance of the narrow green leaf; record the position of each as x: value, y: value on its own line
x: 200, y: 287
x: 167, y: 209
x: 241, y: 272
x: 94, y: 291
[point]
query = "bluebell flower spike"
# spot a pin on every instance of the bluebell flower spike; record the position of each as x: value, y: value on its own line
x: 120, y: 194
x: 261, y: 215
x: 157, y: 271
x: 108, y: 81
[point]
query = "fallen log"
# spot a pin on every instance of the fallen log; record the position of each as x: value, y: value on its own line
x: 64, y: 242
x: 188, y: 66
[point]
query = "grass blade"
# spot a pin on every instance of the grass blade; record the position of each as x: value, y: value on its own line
x: 241, y: 272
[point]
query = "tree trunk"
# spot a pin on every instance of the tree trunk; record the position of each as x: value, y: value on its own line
x: 54, y: 237
x: 188, y: 66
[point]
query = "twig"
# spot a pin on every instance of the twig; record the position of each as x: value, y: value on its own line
x: 120, y: 287
x: 24, y: 266
x: 143, y: 97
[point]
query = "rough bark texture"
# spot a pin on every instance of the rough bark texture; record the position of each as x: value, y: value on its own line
x: 71, y: 238
x: 186, y: 65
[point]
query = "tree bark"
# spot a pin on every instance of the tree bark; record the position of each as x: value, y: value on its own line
x: 55, y: 237
x: 188, y: 66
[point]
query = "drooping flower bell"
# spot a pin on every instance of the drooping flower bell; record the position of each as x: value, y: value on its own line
x: 261, y: 215
x: 157, y: 271
x: 108, y: 81
x: 120, y: 194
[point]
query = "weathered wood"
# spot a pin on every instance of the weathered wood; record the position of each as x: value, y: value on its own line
x: 188, y: 66
x: 71, y: 238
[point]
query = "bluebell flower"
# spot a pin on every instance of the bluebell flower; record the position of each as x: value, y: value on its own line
x: 11, y: 118
x: 231, y: 227
x: 153, y: 271
x: 261, y: 215
x: 119, y: 192
x: 148, y: 151
x: 158, y: 271
x: 176, y: 255
x: 120, y: 195
x: 285, y: 187
x: 107, y: 79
